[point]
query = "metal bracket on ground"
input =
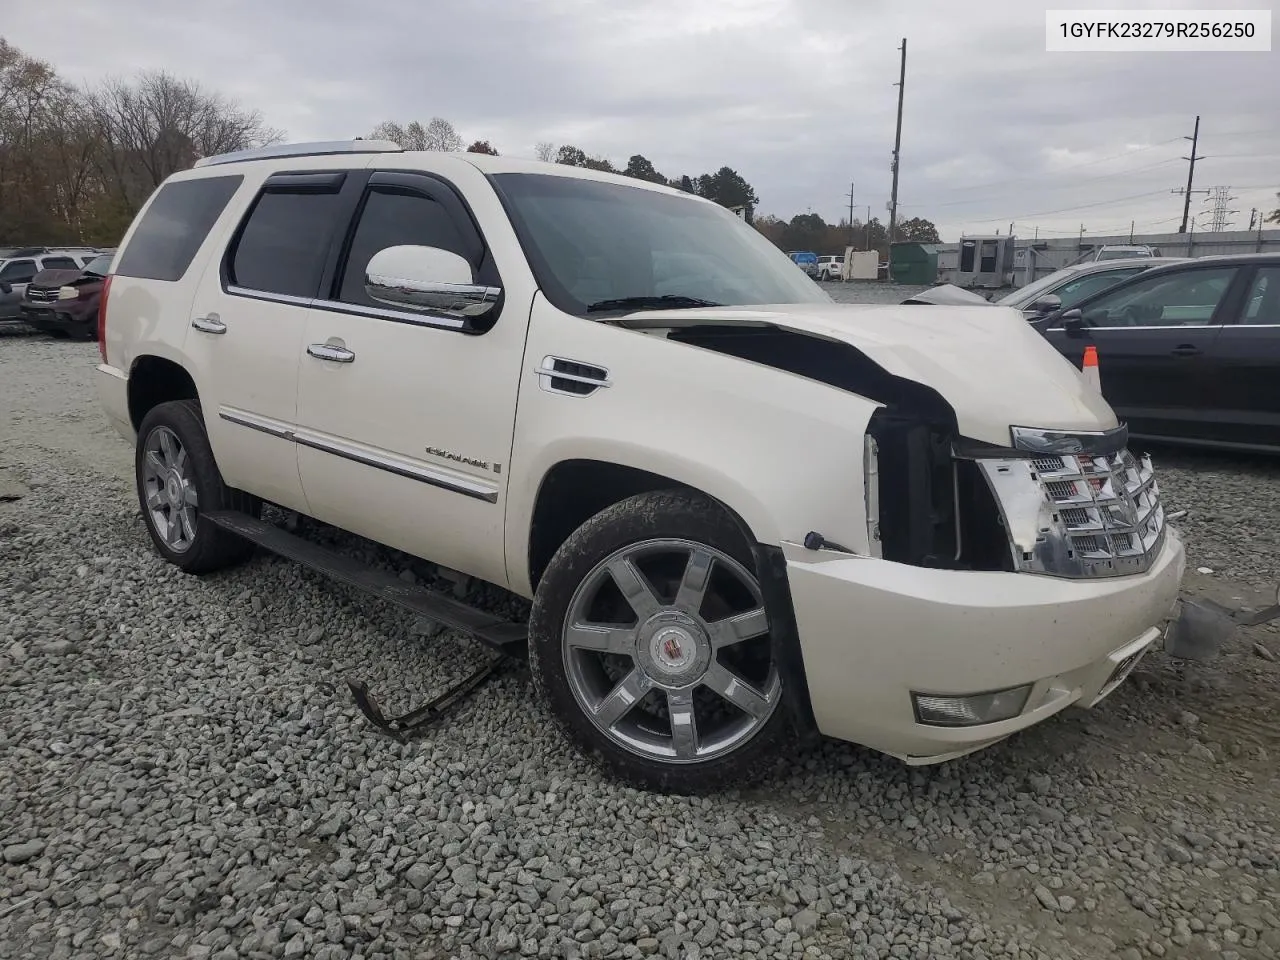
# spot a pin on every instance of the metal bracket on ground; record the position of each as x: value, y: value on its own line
x: 403, y: 726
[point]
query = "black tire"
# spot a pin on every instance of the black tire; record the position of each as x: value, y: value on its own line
x: 685, y: 515
x: 211, y: 548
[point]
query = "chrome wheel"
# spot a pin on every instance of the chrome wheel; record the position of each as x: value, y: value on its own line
x: 666, y: 650
x: 169, y: 489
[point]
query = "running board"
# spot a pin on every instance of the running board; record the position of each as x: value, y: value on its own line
x: 502, y: 635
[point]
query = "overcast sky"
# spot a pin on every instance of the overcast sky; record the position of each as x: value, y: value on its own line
x: 796, y: 96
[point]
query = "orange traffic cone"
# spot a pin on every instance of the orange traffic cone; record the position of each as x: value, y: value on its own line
x: 1090, y: 367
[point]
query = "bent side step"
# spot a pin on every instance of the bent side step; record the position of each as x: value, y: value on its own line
x: 503, y: 635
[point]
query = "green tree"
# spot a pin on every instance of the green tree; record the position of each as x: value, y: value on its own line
x: 482, y: 146
x: 1274, y: 215
x: 727, y: 188
x: 642, y: 169
x: 572, y: 156
x: 918, y: 230
x: 806, y: 231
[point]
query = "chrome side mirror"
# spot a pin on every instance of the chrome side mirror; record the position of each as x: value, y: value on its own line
x: 427, y: 280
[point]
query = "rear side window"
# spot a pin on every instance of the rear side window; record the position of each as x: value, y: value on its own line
x: 174, y: 226
x: 283, y: 245
x: 60, y: 263
x: 18, y: 271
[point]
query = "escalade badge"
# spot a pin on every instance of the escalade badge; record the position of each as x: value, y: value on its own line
x: 470, y: 461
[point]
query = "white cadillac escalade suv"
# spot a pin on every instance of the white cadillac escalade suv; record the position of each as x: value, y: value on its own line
x: 742, y: 511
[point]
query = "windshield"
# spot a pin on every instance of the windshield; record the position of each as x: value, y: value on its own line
x: 99, y: 265
x: 591, y: 242
x: 1033, y: 290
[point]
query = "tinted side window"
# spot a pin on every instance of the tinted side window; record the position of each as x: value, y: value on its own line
x: 174, y: 226
x: 60, y: 263
x: 18, y: 271
x: 1076, y: 290
x: 391, y: 218
x: 284, y: 243
x: 1262, y: 305
x: 1184, y: 298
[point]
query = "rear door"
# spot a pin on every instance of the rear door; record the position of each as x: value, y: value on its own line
x: 247, y: 323
x: 1154, y: 335
x: 1245, y: 365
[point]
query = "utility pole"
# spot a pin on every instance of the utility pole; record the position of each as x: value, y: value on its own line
x: 1080, y: 241
x: 1253, y: 216
x: 1131, y: 231
x: 1220, y: 219
x: 1191, y: 172
x: 850, y: 214
x: 897, y: 149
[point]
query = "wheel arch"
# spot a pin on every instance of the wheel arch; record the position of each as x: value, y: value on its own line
x: 574, y: 490
x: 154, y: 380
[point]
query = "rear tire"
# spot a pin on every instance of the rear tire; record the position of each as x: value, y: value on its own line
x: 649, y: 641
x: 178, y: 481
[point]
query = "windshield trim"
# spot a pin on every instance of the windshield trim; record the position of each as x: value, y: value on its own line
x: 545, y: 276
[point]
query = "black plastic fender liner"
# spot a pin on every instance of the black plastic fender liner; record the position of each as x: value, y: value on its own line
x: 784, y: 634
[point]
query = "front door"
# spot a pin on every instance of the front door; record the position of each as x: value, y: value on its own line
x: 1246, y: 363
x: 247, y: 324
x: 1154, y: 335
x: 405, y: 419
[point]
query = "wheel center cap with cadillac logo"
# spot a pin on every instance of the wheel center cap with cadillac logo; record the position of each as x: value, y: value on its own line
x: 674, y: 649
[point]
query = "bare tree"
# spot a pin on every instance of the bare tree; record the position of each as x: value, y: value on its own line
x: 159, y: 124
x: 33, y: 102
x: 545, y: 151
x: 438, y: 134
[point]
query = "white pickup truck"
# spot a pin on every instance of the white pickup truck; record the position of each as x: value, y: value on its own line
x: 742, y: 512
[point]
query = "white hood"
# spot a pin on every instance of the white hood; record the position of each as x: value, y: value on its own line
x: 985, y: 361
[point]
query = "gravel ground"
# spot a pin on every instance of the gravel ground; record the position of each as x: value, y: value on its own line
x: 182, y: 773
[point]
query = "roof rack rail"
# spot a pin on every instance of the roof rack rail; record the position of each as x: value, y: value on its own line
x: 315, y: 149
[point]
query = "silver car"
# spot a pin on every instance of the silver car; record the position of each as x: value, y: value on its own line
x: 1070, y: 285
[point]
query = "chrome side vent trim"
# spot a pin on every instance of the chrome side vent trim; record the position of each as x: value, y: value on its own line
x: 570, y: 377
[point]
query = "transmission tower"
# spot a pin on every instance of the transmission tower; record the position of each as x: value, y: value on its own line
x: 1220, y: 218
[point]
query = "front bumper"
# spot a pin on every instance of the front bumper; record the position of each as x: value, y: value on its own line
x: 872, y: 632
x: 50, y: 317
x: 113, y: 395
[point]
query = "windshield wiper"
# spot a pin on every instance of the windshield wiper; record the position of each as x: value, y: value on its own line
x: 671, y: 301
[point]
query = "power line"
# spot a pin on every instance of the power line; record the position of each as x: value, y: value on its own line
x: 1105, y: 176
x: 1083, y: 206
x: 1040, y: 175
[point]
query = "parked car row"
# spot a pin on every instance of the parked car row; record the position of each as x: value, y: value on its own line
x: 55, y: 291
x: 1188, y: 348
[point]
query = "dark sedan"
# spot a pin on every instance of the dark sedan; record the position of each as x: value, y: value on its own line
x: 65, y: 302
x: 1187, y: 352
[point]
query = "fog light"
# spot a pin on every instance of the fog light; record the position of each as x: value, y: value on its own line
x: 972, y: 710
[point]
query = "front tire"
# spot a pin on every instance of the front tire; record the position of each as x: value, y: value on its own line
x: 650, y: 643
x: 178, y: 481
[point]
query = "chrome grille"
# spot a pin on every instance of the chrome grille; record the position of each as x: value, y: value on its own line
x: 42, y: 294
x: 1080, y: 515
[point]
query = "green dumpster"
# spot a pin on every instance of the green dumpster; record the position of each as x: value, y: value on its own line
x: 915, y: 264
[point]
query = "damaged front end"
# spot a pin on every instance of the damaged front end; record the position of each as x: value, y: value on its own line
x: 1075, y: 505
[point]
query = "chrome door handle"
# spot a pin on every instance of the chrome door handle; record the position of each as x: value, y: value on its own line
x: 327, y: 351
x: 209, y: 324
